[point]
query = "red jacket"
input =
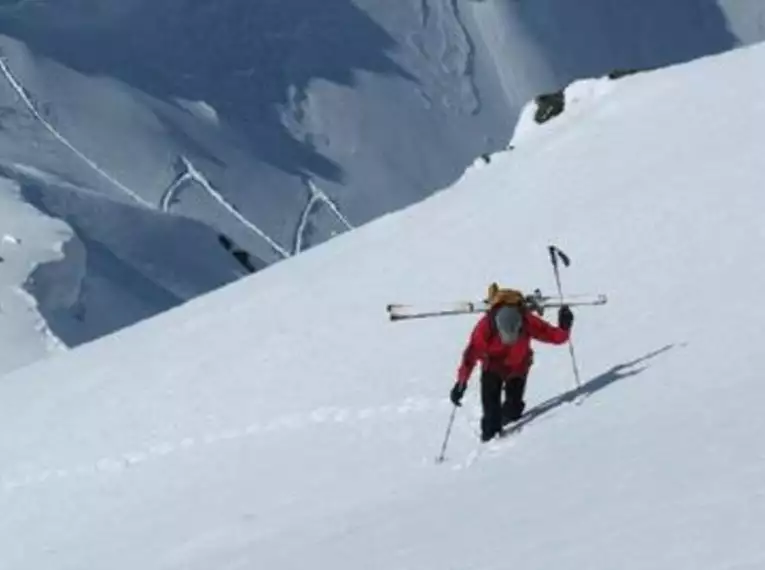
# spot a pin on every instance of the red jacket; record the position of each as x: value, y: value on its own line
x: 506, y: 360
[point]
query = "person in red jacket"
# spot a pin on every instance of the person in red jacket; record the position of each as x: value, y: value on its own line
x: 501, y: 340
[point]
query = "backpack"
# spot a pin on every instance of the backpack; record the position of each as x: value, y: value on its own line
x: 497, y: 297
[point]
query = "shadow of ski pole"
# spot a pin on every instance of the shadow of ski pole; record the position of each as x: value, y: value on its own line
x: 615, y: 374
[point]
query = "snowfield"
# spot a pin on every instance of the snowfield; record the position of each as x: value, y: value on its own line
x: 283, y: 422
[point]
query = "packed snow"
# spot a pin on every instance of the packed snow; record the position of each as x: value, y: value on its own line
x: 284, y: 422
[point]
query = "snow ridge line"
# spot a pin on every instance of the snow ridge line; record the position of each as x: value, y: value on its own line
x: 167, y: 196
x: 200, y: 179
x: 424, y: 13
x: 317, y: 195
x: 468, y: 71
x: 313, y: 200
x: 19, y: 88
x: 121, y: 462
x: 330, y: 203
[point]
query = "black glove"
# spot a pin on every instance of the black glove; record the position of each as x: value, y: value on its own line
x: 565, y: 318
x: 457, y: 392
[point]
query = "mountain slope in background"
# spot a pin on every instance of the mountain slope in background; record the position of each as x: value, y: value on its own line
x: 283, y: 422
x: 282, y: 123
x: 28, y: 239
x: 378, y: 103
x: 100, y: 267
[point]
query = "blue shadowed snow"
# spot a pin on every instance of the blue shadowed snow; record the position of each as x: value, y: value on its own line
x: 240, y: 57
x: 125, y: 264
x: 593, y: 37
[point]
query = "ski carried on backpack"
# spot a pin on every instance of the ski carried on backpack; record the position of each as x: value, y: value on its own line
x: 536, y: 302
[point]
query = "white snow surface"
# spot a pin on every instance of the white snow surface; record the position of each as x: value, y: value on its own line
x: 283, y: 422
x: 29, y: 239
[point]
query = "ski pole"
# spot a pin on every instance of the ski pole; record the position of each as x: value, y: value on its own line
x: 555, y: 254
x: 441, y: 457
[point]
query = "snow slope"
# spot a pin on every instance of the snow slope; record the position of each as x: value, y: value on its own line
x: 28, y: 239
x: 377, y: 103
x: 77, y: 265
x: 746, y: 19
x: 282, y: 422
x: 283, y: 123
x: 380, y: 103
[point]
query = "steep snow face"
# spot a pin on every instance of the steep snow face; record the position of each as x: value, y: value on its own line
x: 28, y: 239
x: 136, y: 262
x: 77, y: 265
x: 592, y: 37
x: 282, y: 123
x: 283, y: 422
x: 746, y: 19
x: 377, y: 103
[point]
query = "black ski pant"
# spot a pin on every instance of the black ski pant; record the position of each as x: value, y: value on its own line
x: 497, y: 413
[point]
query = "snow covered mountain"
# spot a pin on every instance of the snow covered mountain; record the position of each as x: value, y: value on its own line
x: 377, y: 103
x: 267, y: 127
x: 95, y: 266
x: 283, y: 422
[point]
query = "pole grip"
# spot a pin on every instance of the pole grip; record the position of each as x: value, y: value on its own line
x: 556, y: 253
x: 553, y: 257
